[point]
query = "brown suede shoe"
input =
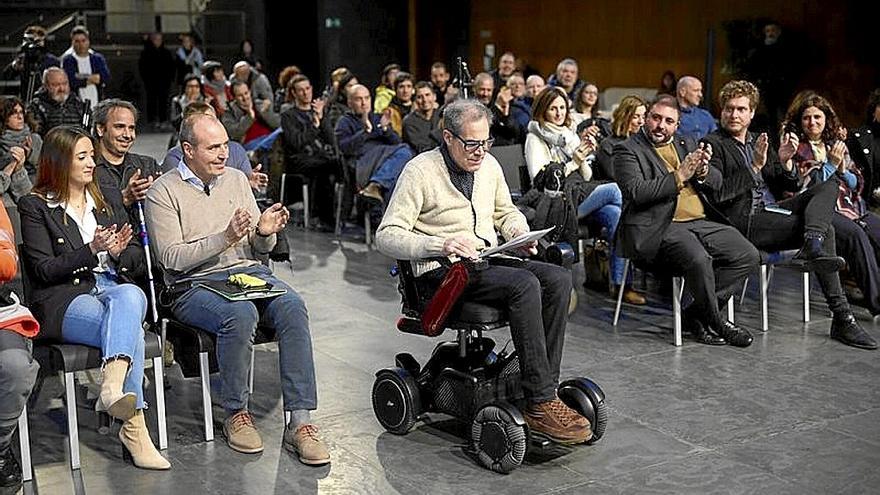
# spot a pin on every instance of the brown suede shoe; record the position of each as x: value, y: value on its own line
x: 241, y: 433
x: 305, y: 443
x: 372, y: 191
x: 558, y: 422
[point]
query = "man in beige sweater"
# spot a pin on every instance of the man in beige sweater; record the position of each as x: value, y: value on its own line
x: 205, y: 226
x: 449, y: 202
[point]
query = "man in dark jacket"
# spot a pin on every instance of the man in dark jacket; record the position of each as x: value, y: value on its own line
x: 368, y: 142
x: 864, y: 148
x: 118, y: 168
x: 309, y: 146
x: 666, y: 218
x: 157, y: 68
x: 753, y: 176
x: 53, y: 105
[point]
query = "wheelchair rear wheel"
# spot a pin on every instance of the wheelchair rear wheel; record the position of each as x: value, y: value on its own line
x: 396, y: 400
x: 499, y: 437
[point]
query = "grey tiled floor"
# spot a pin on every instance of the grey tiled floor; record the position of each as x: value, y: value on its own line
x: 793, y: 413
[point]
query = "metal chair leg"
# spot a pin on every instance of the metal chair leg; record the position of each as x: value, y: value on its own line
x: 251, y: 373
x: 368, y: 228
x: 806, y: 297
x: 72, y: 427
x: 764, y: 284
x: 730, y: 309
x: 338, y: 191
x: 677, y: 290
x: 24, y: 442
x: 306, y: 209
x: 159, y: 386
x: 283, y: 189
x: 208, y: 413
x: 620, y: 294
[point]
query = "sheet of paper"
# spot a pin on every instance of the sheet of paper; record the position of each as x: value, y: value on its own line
x: 517, y: 242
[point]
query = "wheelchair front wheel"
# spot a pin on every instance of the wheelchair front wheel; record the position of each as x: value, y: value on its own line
x: 587, y: 398
x: 396, y: 400
x: 499, y: 437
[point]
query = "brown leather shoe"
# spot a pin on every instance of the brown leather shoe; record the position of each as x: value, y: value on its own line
x: 372, y: 191
x: 630, y: 296
x: 558, y: 422
x: 305, y: 443
x: 242, y: 434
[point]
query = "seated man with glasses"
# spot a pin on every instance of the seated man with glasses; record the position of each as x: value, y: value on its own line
x: 449, y: 203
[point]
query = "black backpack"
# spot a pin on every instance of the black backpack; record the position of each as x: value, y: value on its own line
x: 549, y: 203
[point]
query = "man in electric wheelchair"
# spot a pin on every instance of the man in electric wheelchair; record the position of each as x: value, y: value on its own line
x: 448, y: 204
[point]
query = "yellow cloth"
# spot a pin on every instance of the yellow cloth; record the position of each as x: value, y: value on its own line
x: 246, y: 281
x: 689, y: 206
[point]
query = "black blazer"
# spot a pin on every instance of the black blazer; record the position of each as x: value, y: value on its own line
x: 58, y: 265
x: 650, y: 194
x: 864, y: 148
x: 734, y: 198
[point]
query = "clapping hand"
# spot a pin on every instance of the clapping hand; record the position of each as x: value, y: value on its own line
x: 136, y: 190
x: 104, y: 239
x: 238, y: 227
x: 123, y: 237
x: 836, y: 156
x: 762, y: 144
x: 787, y: 148
x: 273, y: 220
x: 258, y: 179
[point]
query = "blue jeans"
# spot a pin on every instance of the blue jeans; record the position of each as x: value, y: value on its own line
x: 388, y: 172
x: 605, y: 203
x: 235, y: 322
x: 111, y: 318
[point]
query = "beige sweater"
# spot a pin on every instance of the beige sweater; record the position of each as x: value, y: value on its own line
x: 426, y: 209
x: 188, y: 228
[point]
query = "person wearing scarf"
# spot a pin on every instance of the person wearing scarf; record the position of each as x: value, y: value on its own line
x: 550, y: 139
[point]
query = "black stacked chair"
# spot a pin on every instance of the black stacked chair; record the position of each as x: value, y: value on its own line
x: 68, y: 359
x: 468, y: 380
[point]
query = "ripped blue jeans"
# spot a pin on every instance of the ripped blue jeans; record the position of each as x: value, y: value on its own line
x: 110, y: 317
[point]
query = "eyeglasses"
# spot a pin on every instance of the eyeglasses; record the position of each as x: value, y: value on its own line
x: 471, y: 146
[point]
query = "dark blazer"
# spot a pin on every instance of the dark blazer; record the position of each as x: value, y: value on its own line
x: 734, y: 198
x: 650, y: 194
x: 58, y: 265
x: 864, y: 148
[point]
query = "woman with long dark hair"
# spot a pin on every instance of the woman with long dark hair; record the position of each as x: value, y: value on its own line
x: 80, y: 256
x: 822, y: 155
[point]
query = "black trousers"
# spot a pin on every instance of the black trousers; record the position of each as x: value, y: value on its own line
x: 536, y: 297
x: 715, y: 260
x: 321, y: 173
x: 811, y: 210
x: 857, y: 243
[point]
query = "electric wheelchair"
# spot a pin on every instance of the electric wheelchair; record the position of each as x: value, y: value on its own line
x: 467, y: 379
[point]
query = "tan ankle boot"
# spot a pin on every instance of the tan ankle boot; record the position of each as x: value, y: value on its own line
x: 137, y: 445
x: 117, y: 404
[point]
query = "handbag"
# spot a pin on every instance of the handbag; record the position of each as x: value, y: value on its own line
x: 444, y: 299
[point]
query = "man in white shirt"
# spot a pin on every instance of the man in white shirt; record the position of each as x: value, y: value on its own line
x: 86, y: 69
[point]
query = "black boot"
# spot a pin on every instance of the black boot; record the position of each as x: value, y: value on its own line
x: 735, y: 335
x: 699, y: 332
x: 847, y: 330
x: 10, y: 470
x: 811, y: 258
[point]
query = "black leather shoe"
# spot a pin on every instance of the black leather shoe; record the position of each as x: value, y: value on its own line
x: 735, y: 335
x: 847, y: 330
x: 699, y: 332
x: 10, y: 470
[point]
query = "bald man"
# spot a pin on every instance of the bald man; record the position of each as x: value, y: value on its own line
x: 694, y: 122
x: 206, y: 228
x: 368, y: 143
